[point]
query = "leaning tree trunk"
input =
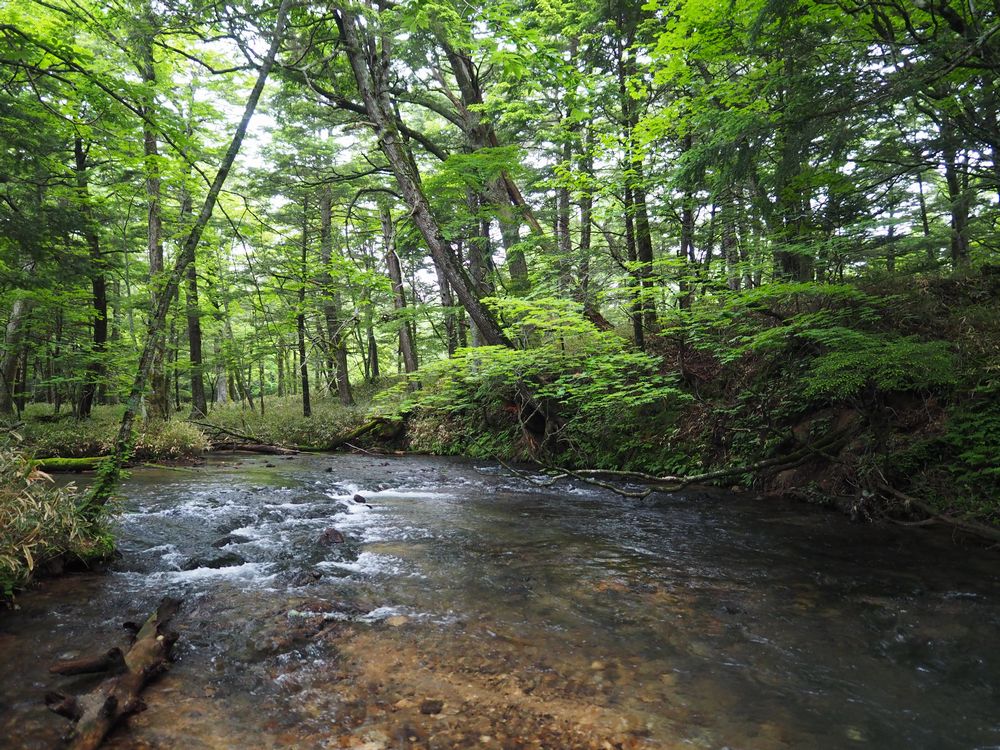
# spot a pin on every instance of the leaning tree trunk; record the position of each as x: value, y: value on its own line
x: 125, y: 440
x: 372, y: 76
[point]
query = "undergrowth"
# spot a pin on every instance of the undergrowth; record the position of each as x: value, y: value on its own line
x: 39, y: 522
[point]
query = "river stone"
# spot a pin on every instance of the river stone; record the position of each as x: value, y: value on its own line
x: 431, y: 706
x: 331, y: 536
x: 304, y: 577
x: 227, y: 560
x: 230, y: 539
x: 360, y: 499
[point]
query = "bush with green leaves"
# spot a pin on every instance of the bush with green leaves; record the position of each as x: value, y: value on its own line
x: 40, y: 521
x: 614, y: 402
x: 833, y: 332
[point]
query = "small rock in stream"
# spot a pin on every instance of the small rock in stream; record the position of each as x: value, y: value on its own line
x: 431, y: 706
x: 360, y: 500
x: 328, y: 469
x: 331, y: 536
x: 228, y: 560
x: 230, y: 539
x: 304, y: 578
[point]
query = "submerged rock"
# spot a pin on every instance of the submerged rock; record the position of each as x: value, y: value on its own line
x: 431, y: 706
x: 227, y: 560
x: 304, y: 578
x: 331, y: 536
x: 230, y: 539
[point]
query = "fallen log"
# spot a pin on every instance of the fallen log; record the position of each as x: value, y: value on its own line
x: 264, y: 448
x: 58, y: 464
x: 353, y: 435
x: 96, y: 713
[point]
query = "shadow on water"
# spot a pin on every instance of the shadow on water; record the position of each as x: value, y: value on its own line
x: 462, y: 608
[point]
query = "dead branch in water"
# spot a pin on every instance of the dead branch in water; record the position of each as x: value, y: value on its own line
x: 96, y: 713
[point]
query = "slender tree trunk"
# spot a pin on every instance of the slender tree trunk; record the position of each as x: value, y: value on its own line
x: 13, y: 335
x: 300, y: 319
x: 450, y: 322
x: 336, y: 337
x: 958, y: 199
x: 586, y: 206
x: 98, y: 282
x: 159, y: 401
x: 221, y: 387
x: 730, y: 249
x: 685, y: 252
x: 406, y: 347
x: 631, y: 255
x: 280, y: 357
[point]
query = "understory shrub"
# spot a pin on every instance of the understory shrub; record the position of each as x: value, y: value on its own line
x: 39, y: 521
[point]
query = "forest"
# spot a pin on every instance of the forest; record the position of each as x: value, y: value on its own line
x: 752, y: 243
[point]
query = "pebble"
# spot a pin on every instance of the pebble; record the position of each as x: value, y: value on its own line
x: 431, y: 706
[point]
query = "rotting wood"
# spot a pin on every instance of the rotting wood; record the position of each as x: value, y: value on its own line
x: 264, y: 448
x: 97, y: 712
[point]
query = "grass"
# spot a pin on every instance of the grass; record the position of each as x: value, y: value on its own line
x: 282, y: 422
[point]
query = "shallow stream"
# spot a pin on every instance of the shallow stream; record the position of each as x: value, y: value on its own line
x: 467, y: 608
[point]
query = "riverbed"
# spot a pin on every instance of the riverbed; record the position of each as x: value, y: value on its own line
x: 467, y: 608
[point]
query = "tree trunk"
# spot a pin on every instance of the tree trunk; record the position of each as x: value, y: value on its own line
x: 159, y: 401
x: 300, y: 318
x: 631, y: 255
x: 12, y: 347
x: 958, y: 199
x: 335, y: 335
x: 406, y: 347
x: 98, y: 282
x: 371, y: 74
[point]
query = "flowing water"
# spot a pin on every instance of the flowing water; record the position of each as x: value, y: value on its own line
x: 466, y: 608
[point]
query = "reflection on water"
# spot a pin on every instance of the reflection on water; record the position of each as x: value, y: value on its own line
x: 461, y: 608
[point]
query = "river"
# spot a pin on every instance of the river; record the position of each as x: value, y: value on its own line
x: 468, y: 608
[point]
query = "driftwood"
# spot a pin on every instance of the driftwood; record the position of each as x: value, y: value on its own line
x: 96, y: 713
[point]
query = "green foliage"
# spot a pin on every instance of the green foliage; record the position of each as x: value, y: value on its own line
x: 40, y: 521
x: 283, y: 424
x: 853, y: 361
x: 46, y: 434
x: 604, y: 392
x: 973, y: 442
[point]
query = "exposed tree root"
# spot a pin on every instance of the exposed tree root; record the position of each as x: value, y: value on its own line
x: 933, y: 516
x: 822, y: 447
x: 96, y: 713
